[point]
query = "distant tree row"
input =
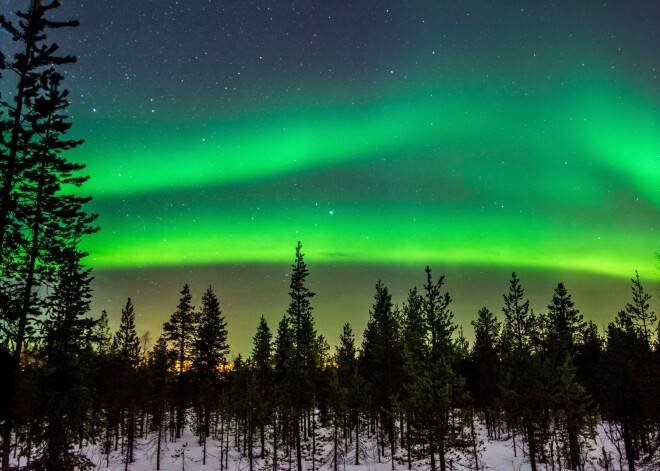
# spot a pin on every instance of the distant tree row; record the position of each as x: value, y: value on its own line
x: 415, y: 386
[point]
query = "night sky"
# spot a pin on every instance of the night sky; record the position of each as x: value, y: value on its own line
x: 477, y: 137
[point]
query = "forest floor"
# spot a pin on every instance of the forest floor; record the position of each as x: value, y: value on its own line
x: 185, y: 454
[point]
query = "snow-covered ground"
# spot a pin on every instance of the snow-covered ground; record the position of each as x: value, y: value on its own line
x: 186, y: 453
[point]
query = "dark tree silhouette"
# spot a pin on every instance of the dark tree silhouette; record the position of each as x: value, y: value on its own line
x: 566, y: 332
x: 209, y: 354
x: 126, y: 343
x: 640, y: 311
x: 35, y: 57
x: 523, y: 384
x: 180, y: 332
x: 305, y: 351
x: 382, y: 362
x: 63, y: 397
x: 127, y: 355
x: 629, y: 377
x: 486, y: 367
x: 262, y: 355
x: 36, y: 217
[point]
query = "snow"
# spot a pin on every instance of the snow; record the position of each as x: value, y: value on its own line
x: 185, y: 454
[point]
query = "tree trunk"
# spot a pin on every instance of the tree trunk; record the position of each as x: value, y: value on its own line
x: 531, y: 445
x: 441, y: 449
x: 296, y: 432
x: 628, y: 444
x: 357, y: 440
x: 275, y: 441
x: 473, y: 437
x: 432, y: 450
x: 227, y: 446
x: 313, y: 432
x: 222, y: 442
x: 160, y: 438
x: 335, y: 440
x: 408, y: 444
x: 262, y: 437
x: 250, y: 440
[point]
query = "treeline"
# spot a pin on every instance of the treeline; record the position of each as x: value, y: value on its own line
x: 415, y: 386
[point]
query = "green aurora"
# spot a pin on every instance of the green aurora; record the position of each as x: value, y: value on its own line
x: 475, y: 137
x: 566, y: 179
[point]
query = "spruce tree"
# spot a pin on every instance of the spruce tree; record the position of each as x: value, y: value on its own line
x: 566, y: 324
x: 570, y: 403
x: 36, y: 218
x: 305, y: 351
x: 161, y: 361
x: 285, y: 385
x: 588, y: 360
x: 63, y: 398
x: 209, y: 346
x: 415, y: 354
x: 102, y: 334
x: 262, y: 355
x: 37, y: 215
x: 300, y: 310
x: 35, y: 57
x: 640, y: 311
x: 382, y: 363
x: 349, y: 398
x: 444, y: 383
x: 629, y: 377
x: 622, y: 391
x: 518, y: 326
x: 486, y: 367
x: 346, y: 357
x: 209, y: 354
x: 523, y: 381
x: 127, y: 355
x: 126, y: 343
x: 180, y: 332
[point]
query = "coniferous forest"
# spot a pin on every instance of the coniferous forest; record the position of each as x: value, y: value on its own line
x: 414, y: 393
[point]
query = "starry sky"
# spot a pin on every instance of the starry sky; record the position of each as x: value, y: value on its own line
x: 477, y: 137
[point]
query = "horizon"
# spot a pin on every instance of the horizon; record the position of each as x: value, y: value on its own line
x: 155, y: 293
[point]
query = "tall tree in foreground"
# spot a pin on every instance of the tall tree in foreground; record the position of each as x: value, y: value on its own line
x: 209, y: 355
x: 566, y: 333
x: 444, y: 384
x: 305, y: 351
x: 180, y: 332
x: 285, y: 385
x: 34, y: 215
x: 161, y: 362
x: 262, y: 356
x: 630, y: 377
x: 35, y: 56
x: 414, y: 347
x: 381, y: 361
x: 486, y: 367
x: 126, y: 355
x: 522, y: 381
x: 349, y: 391
x: 63, y: 396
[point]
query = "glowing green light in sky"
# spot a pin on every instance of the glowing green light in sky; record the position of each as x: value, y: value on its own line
x: 470, y: 175
x: 455, y: 134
